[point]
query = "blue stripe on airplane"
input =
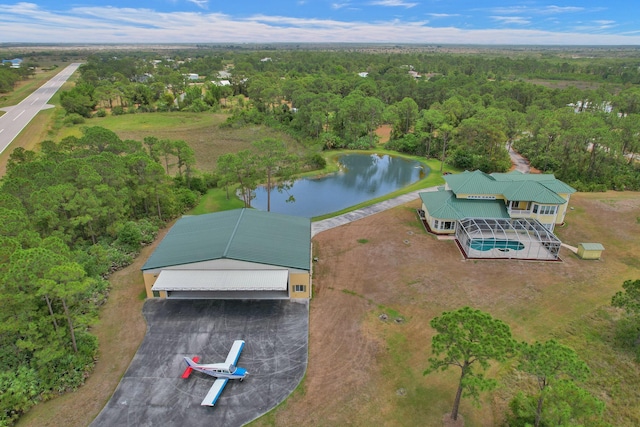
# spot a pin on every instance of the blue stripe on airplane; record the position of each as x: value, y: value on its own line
x: 215, y: 399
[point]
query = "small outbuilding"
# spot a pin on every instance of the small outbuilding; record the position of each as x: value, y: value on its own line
x: 590, y: 250
x: 236, y: 254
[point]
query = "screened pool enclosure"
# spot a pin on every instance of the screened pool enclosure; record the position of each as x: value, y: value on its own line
x: 513, y: 238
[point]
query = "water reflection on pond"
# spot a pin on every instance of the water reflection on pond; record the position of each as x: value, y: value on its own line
x: 362, y: 177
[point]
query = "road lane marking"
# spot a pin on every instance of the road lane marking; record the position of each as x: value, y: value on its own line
x: 16, y: 117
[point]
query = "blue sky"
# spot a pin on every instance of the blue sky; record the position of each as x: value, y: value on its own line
x: 559, y: 22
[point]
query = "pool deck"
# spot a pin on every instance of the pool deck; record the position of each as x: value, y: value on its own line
x: 337, y: 221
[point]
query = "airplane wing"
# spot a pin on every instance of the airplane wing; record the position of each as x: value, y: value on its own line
x: 214, y: 392
x: 234, y: 353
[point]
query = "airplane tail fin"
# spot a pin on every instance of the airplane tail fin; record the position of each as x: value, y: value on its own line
x: 190, y: 362
x: 190, y: 365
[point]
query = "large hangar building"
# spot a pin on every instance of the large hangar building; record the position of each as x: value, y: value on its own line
x: 236, y: 254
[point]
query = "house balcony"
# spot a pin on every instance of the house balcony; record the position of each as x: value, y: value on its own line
x: 519, y: 213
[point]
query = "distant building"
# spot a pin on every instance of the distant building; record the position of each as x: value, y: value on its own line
x: 221, y: 82
x: 13, y: 63
x: 363, y: 74
x: 580, y: 106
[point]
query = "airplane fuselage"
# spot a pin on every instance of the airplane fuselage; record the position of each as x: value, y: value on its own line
x: 221, y: 370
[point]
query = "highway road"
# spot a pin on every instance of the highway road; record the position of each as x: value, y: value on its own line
x: 18, y: 117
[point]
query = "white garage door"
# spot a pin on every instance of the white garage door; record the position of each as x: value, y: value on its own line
x: 223, y: 284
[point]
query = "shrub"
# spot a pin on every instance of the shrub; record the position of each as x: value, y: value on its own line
x: 331, y: 141
x: 409, y: 144
x: 315, y: 161
x: 73, y: 119
x: 101, y: 113
x: 130, y: 237
x: 117, y: 111
x: 363, y: 143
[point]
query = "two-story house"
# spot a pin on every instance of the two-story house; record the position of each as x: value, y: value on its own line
x: 508, y: 205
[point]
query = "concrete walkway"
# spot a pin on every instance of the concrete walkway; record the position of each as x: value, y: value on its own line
x: 326, y: 224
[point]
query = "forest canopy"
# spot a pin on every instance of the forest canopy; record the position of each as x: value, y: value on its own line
x: 572, y: 117
x: 70, y: 215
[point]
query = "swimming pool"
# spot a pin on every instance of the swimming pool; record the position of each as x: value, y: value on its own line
x: 500, y: 244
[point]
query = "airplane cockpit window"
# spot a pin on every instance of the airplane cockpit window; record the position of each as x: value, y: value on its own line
x: 232, y: 369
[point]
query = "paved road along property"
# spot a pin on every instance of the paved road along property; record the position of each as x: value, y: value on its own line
x: 18, y: 117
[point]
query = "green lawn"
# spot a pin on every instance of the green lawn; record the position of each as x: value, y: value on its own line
x: 201, y: 131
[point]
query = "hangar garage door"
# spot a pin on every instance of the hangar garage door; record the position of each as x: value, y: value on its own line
x: 223, y: 284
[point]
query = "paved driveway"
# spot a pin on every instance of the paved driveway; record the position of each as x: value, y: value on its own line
x: 151, y: 393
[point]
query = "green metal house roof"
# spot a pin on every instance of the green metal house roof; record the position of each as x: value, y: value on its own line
x: 242, y: 234
x: 540, y: 188
x: 546, y: 179
x: 476, y: 182
x: 445, y: 205
x: 533, y: 192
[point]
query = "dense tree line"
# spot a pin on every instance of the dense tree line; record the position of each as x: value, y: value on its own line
x: 465, y: 113
x: 462, y: 109
x: 10, y: 76
x: 69, y: 215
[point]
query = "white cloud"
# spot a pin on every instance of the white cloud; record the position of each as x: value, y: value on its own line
x: 546, y: 10
x: 511, y: 20
x: 393, y: 3
x: 596, y: 26
x: 558, y: 9
x: 200, y: 3
x: 339, y: 5
x: 443, y: 15
x: 26, y: 22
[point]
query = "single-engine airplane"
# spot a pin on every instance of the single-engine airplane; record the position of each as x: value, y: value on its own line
x: 222, y: 371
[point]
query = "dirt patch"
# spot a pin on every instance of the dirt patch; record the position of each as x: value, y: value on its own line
x: 447, y: 421
x: 384, y: 133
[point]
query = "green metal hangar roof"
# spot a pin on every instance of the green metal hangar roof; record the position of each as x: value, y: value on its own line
x: 237, y: 254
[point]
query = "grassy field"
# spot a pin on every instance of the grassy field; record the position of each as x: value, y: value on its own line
x: 200, y: 130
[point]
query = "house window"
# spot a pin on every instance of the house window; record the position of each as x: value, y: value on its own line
x: 547, y: 210
x: 156, y: 294
x: 443, y: 225
x: 300, y: 288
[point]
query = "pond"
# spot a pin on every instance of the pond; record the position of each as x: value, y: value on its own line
x: 361, y: 177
